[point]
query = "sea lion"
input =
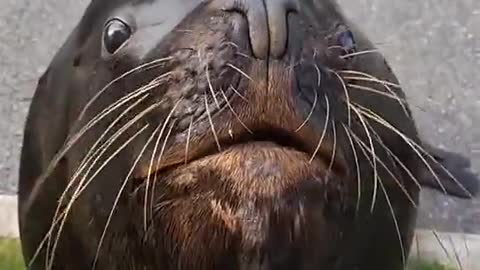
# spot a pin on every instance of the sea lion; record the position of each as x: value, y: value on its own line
x: 218, y: 134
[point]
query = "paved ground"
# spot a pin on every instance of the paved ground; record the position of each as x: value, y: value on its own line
x: 433, y: 45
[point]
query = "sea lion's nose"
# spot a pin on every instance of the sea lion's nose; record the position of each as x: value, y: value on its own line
x: 267, y: 23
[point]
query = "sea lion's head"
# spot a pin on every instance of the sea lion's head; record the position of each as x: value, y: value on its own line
x: 228, y: 134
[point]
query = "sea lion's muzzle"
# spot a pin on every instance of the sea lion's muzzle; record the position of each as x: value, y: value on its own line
x: 267, y: 21
x: 250, y: 79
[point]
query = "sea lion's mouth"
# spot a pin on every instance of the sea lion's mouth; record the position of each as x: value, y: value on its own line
x: 270, y: 137
x: 277, y: 136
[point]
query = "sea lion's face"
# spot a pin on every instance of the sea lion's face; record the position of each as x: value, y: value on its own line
x: 228, y: 139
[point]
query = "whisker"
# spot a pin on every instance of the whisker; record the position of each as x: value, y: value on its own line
x: 415, y: 147
x: 75, y: 196
x: 334, y: 150
x: 244, y: 55
x: 401, y: 101
x: 359, y: 53
x: 309, y: 113
x: 364, y: 148
x: 91, y: 153
x: 211, y: 123
x: 210, y: 87
x: 385, y: 123
x: 134, y: 94
x: 375, y: 173
x: 324, y: 132
x: 395, y: 221
x: 240, y: 71
x: 293, y: 65
x: 188, y: 139
x: 335, y: 47
x: 233, y: 111
x: 410, y: 174
x: 89, y: 156
x: 372, y: 90
x: 319, y: 75
x: 376, y: 80
x: 238, y: 47
x: 397, y: 181
x: 392, y: 155
x: 151, y: 64
x: 347, y: 97
x: 80, y: 189
x: 40, y: 246
x: 149, y: 175
x: 238, y: 93
x: 125, y: 181
x: 357, y: 166
x: 150, y: 167
x: 73, y: 139
x: 164, y: 145
x: 233, y: 44
x: 114, y: 137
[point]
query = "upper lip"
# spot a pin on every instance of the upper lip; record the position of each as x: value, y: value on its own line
x: 279, y: 136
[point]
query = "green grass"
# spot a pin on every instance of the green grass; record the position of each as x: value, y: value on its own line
x: 427, y: 265
x: 10, y: 255
x: 11, y: 258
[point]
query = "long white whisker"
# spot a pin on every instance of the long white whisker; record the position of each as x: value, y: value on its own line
x: 211, y: 124
x: 410, y: 142
x: 150, y: 167
x: 357, y: 166
x: 240, y: 71
x: 125, y: 181
x: 309, y: 114
x: 324, y: 131
x: 75, y: 196
x: 347, y: 97
x: 375, y: 173
x: 71, y: 141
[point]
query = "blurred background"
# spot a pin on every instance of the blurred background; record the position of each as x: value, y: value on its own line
x: 432, y: 45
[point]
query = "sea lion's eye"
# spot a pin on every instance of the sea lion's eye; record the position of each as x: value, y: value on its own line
x: 116, y: 33
x: 347, y: 41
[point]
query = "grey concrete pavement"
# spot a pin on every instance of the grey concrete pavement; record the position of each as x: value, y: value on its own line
x: 433, y: 45
x: 30, y: 33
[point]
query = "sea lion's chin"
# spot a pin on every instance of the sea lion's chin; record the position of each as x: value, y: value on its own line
x: 251, y: 198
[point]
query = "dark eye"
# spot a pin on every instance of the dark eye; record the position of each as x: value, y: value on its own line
x: 347, y: 41
x: 116, y: 33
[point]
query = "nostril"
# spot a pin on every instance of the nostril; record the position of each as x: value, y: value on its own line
x: 277, y: 22
x: 256, y: 15
x: 267, y: 23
